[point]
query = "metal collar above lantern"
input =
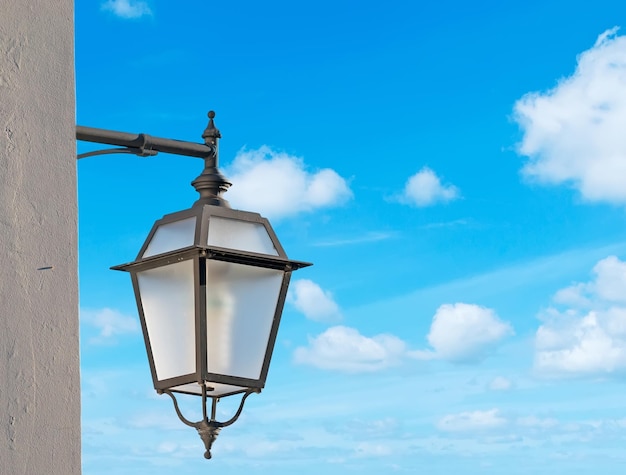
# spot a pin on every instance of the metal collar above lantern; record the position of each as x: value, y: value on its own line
x: 210, y: 284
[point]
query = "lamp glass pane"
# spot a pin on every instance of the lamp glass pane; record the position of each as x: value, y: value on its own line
x: 172, y: 236
x: 241, y: 303
x: 240, y: 235
x: 167, y: 297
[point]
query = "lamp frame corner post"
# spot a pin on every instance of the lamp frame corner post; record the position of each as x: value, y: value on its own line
x: 210, y: 284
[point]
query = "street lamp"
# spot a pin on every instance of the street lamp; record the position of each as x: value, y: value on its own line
x: 210, y: 284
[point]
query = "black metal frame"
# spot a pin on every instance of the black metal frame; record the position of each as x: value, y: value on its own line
x: 200, y: 252
x: 210, y: 184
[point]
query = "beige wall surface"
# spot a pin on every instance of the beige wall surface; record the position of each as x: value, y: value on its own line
x: 39, y: 354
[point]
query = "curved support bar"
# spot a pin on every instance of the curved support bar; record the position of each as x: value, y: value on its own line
x: 208, y: 429
x: 180, y: 414
x: 238, y: 413
x: 205, y: 419
x: 135, y: 151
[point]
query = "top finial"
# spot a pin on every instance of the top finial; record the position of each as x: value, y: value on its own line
x: 211, y: 133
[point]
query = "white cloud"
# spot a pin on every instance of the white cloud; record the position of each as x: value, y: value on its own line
x: 159, y: 420
x: 425, y: 189
x: 265, y: 448
x: 279, y: 185
x: 493, y: 419
x: 588, y: 337
x: 610, y: 279
x: 471, y: 421
x: 368, y: 237
x: 314, y: 302
x: 500, y: 384
x: 463, y: 333
x: 447, y: 224
x: 167, y: 447
x: 572, y: 295
x: 127, y: 8
x: 371, y: 449
x: 370, y: 428
x: 574, y: 133
x: 110, y: 323
x: 345, y: 349
x: 534, y: 422
x: 579, y: 346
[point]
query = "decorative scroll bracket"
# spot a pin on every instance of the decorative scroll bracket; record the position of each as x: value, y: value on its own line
x: 208, y: 428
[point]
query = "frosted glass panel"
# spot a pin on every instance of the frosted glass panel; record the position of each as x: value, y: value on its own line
x: 218, y: 389
x: 240, y: 235
x: 241, y: 302
x: 172, y: 236
x: 168, y: 304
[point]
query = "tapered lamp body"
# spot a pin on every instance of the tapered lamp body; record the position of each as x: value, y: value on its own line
x: 210, y: 284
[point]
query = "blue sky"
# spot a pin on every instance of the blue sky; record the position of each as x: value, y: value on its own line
x: 455, y: 171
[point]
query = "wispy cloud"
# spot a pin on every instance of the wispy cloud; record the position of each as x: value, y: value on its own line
x: 446, y: 224
x: 535, y: 275
x: 464, y: 333
x: 160, y: 420
x: 372, y: 449
x: 313, y: 301
x: 482, y: 421
x: 426, y: 189
x: 535, y: 422
x: 127, y: 8
x: 584, y: 333
x: 280, y: 185
x: 369, y: 429
x: 573, y: 133
x: 500, y: 383
x: 365, y: 238
x: 110, y: 323
x: 472, y: 421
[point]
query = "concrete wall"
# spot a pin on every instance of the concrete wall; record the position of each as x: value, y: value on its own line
x: 39, y: 354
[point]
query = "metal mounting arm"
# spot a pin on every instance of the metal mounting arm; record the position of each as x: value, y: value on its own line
x: 143, y: 143
x: 210, y: 184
